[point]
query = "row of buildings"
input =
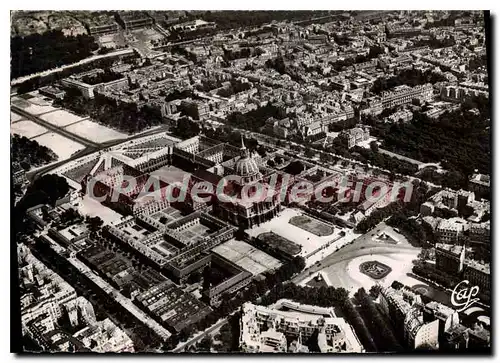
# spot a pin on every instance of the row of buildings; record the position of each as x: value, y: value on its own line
x: 452, y: 260
x: 429, y: 326
x: 50, y: 308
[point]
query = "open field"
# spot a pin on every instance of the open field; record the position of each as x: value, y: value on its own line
x: 61, y: 118
x: 61, y: 145
x: 312, y: 225
x: 31, y: 107
x: 14, y: 117
x: 95, y: 132
x: 27, y: 128
x: 107, y: 40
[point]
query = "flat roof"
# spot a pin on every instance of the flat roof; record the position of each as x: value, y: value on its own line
x: 246, y: 256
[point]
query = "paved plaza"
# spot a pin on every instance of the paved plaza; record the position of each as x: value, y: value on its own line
x: 281, y: 226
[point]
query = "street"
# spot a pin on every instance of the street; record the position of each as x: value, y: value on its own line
x: 122, y: 300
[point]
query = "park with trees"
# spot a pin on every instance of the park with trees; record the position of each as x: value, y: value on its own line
x: 39, y: 52
x: 29, y: 153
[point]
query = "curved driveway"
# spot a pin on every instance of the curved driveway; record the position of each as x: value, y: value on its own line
x: 361, y: 246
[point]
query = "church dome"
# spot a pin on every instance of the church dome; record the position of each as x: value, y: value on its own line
x: 246, y: 167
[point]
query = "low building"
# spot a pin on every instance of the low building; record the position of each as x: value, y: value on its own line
x: 101, y: 24
x: 480, y: 185
x: 18, y: 174
x: 404, y: 94
x: 313, y: 129
x: 401, y: 116
x: 447, y: 317
x: 130, y: 20
x: 452, y: 260
x: 235, y: 279
x: 404, y: 307
x: 478, y: 274
x: 355, y: 136
x: 171, y: 306
x: 52, y: 92
x: 105, y: 337
x: 371, y: 106
x: 450, y: 230
x: 479, y: 233
x: 460, y: 94
x: 335, y: 335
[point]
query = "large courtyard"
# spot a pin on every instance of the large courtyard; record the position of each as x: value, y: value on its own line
x: 167, y: 215
x: 92, y: 208
x: 303, y: 236
x: 378, y: 257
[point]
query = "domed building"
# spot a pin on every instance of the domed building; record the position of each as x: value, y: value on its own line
x: 249, y: 200
x: 246, y: 167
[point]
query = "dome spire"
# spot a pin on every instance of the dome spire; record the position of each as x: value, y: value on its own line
x: 244, y: 150
x: 243, y: 147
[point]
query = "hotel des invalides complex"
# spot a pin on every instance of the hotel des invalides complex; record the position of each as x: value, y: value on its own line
x: 161, y: 218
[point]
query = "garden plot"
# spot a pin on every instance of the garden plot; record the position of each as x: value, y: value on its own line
x: 92, y: 131
x: 61, y: 145
x: 61, y: 118
x: 312, y: 225
x: 27, y: 129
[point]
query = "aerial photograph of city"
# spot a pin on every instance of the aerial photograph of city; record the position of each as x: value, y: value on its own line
x: 250, y: 181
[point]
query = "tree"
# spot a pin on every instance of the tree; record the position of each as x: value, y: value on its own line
x: 310, y: 152
x: 205, y: 344
x: 295, y: 167
x: 207, y: 276
x: 186, y: 128
x: 94, y: 224
x: 194, y: 277
x: 69, y: 215
x: 38, y: 52
x: 383, y: 332
x: 375, y: 290
x: 30, y: 153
